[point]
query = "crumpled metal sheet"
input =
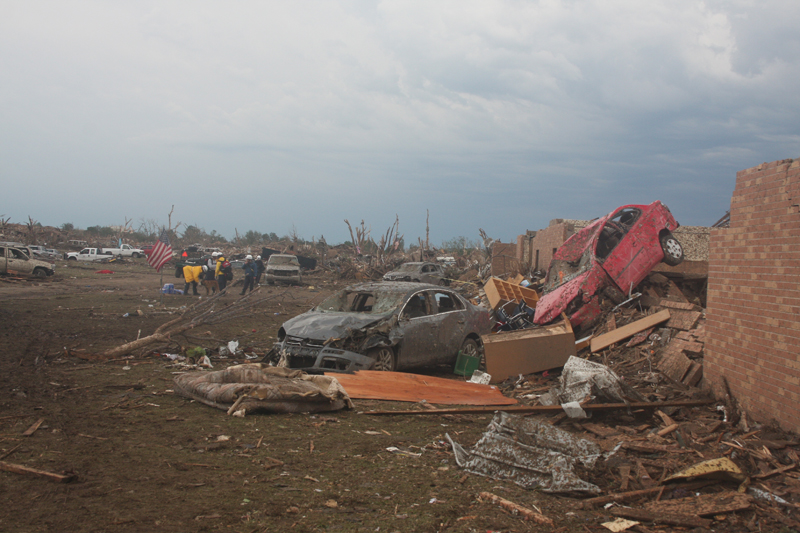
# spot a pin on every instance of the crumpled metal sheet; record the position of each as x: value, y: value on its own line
x: 259, y: 387
x: 581, y: 379
x: 533, y: 455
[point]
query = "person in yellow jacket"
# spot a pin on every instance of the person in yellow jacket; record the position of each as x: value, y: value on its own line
x: 222, y: 280
x: 191, y: 275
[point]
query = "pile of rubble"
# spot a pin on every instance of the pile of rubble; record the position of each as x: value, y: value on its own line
x: 665, y: 453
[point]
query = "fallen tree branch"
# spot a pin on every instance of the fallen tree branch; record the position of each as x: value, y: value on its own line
x: 204, y: 312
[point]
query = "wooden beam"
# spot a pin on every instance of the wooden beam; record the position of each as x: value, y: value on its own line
x: 607, y: 339
x: 546, y: 408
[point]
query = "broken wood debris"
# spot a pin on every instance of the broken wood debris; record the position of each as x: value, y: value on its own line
x: 31, y: 430
x: 607, y: 339
x: 547, y: 408
x: 515, y: 509
x: 662, y: 518
x: 26, y: 470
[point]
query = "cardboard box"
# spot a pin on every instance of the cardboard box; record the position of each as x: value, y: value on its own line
x: 499, y: 291
x: 526, y: 351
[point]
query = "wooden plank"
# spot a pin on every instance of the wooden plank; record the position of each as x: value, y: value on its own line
x: 606, y: 340
x: 405, y: 387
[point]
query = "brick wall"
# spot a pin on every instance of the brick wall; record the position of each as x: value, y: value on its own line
x: 753, y: 324
x: 549, y: 239
x: 504, y: 259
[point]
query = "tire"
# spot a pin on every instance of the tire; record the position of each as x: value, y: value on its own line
x: 40, y: 273
x: 673, y: 251
x: 72, y: 259
x: 384, y: 358
x: 470, y: 347
x: 135, y: 255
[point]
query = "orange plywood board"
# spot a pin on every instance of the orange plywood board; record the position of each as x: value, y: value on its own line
x: 404, y: 387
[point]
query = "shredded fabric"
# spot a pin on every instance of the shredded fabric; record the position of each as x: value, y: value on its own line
x: 260, y: 387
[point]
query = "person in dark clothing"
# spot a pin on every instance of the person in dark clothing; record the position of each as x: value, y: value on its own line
x: 250, y: 270
x: 260, y: 270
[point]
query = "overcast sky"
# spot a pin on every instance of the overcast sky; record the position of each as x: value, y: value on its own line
x: 261, y: 115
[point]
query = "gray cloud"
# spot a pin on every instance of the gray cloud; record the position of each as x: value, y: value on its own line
x: 501, y: 115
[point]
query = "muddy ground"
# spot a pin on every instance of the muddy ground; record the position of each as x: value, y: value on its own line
x: 147, y: 459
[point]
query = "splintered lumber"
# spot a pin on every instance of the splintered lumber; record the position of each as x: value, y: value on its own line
x: 405, y: 387
x: 31, y: 430
x: 19, y: 469
x: 633, y: 494
x: 662, y: 518
x: 527, y: 514
x: 552, y: 409
x: 607, y: 339
x: 703, y: 505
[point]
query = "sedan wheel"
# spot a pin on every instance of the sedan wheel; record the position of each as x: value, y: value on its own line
x: 384, y: 359
x: 470, y: 348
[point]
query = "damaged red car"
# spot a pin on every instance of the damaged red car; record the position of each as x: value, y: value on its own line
x: 612, y: 255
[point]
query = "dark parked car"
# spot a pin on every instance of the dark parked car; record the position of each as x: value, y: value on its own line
x: 421, y: 272
x: 383, y: 326
x: 613, y: 254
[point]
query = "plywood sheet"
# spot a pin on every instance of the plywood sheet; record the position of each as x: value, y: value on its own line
x: 404, y: 387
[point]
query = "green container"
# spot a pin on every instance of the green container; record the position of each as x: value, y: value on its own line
x: 466, y: 364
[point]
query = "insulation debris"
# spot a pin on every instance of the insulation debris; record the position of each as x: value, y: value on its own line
x: 532, y: 454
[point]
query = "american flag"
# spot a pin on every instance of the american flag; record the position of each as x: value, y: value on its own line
x: 162, y: 252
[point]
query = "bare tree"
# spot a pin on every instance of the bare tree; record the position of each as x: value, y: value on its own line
x: 124, y: 229
x: 390, y: 241
x: 361, y: 237
x: 34, y: 228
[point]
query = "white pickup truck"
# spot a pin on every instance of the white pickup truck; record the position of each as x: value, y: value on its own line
x: 90, y: 254
x: 16, y: 262
x: 126, y: 250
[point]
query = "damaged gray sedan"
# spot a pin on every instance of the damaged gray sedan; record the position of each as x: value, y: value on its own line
x: 383, y: 326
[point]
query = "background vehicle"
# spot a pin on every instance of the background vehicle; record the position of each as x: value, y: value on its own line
x: 384, y: 326
x: 614, y: 254
x: 126, y: 250
x: 90, y: 254
x: 283, y: 268
x: 420, y: 272
x: 15, y: 261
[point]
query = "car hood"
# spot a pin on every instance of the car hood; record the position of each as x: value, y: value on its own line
x: 554, y: 303
x: 316, y: 325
